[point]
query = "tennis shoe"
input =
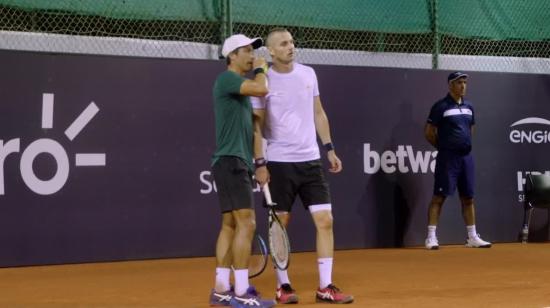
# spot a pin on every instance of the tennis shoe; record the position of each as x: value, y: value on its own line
x: 286, y: 295
x: 477, y: 242
x: 431, y: 243
x: 250, y: 299
x: 332, y: 295
x: 221, y: 298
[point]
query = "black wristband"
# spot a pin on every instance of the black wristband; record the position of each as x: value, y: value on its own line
x: 259, y: 70
x: 260, y: 162
x: 328, y: 146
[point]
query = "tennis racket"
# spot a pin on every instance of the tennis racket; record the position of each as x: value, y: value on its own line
x: 279, y: 246
x: 258, y: 257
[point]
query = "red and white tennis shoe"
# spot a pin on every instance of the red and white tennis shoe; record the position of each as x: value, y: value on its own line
x: 331, y: 294
x: 286, y: 295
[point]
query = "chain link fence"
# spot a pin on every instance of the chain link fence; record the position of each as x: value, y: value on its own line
x: 482, y: 35
x: 132, y: 28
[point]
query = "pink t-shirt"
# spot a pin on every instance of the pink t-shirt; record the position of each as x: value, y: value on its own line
x: 290, y: 125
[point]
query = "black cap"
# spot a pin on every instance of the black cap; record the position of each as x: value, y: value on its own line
x: 456, y: 75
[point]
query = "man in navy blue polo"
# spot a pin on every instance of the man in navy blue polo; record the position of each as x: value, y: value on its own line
x: 449, y: 129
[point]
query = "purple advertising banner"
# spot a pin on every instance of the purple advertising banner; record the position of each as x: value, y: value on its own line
x: 108, y: 158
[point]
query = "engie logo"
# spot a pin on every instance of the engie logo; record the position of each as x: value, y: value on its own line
x: 522, y: 135
x: 51, y: 147
x: 403, y: 160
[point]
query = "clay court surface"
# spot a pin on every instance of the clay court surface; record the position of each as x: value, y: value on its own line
x: 507, y: 275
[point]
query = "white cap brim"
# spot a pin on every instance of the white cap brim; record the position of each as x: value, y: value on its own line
x: 237, y: 41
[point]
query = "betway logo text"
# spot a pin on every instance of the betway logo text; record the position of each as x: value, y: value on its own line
x: 404, y: 160
x: 520, y: 135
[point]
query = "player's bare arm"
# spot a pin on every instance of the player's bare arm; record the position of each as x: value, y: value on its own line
x: 257, y: 86
x: 430, y: 132
x: 323, y: 130
x: 262, y: 174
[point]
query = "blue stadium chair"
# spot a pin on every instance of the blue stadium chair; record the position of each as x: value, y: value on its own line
x: 537, y: 195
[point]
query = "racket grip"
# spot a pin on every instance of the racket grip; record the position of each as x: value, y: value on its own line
x: 267, y: 194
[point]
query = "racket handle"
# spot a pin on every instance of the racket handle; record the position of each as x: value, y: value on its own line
x: 267, y: 194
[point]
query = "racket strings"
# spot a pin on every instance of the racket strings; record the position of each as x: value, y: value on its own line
x: 279, y: 244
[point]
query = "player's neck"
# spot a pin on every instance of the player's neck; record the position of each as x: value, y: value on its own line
x: 283, y: 68
x: 456, y: 98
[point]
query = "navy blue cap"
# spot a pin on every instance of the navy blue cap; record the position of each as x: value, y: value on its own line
x: 456, y: 75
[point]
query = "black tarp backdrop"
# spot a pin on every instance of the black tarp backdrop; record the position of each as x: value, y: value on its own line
x: 154, y: 196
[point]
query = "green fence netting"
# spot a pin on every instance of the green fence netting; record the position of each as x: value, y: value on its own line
x: 437, y: 28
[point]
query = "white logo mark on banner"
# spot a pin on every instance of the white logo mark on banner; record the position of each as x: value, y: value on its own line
x: 530, y: 135
x: 53, y: 148
x: 404, y: 160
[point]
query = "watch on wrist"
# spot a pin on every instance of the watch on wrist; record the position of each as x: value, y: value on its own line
x: 260, y: 162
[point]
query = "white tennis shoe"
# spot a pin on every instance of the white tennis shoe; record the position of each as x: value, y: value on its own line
x: 431, y: 243
x: 477, y: 242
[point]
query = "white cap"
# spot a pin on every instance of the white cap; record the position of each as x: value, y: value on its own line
x: 239, y: 40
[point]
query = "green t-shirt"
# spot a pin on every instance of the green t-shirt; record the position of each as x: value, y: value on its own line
x: 233, y: 112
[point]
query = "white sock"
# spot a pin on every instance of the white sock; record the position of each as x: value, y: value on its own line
x: 325, y: 272
x: 241, y: 281
x: 282, y: 278
x: 471, y: 231
x: 431, y: 231
x: 222, y: 279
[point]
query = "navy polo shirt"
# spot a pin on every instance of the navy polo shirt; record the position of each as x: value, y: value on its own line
x: 453, y: 122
